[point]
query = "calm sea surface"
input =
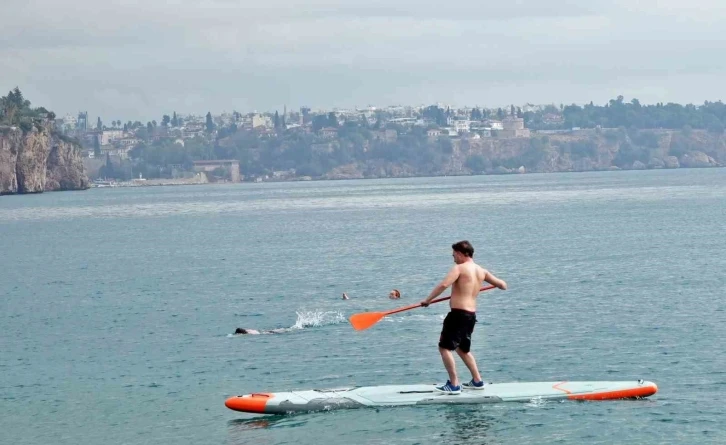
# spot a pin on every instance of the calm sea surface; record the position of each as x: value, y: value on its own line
x: 116, y: 307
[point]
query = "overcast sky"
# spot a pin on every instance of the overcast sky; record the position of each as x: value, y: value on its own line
x: 136, y: 59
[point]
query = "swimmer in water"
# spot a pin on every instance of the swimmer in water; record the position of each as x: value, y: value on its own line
x: 240, y: 331
x: 394, y: 294
x: 345, y: 296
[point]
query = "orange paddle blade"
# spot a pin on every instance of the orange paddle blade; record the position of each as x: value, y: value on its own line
x: 365, y: 320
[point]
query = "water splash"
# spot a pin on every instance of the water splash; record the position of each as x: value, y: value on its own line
x: 536, y: 402
x: 307, y: 319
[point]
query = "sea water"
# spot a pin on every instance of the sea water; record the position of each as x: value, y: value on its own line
x: 117, y: 305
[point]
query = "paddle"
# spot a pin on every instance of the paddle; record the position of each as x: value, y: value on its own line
x: 365, y: 320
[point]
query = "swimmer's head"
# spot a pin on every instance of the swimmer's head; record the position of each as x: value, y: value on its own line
x: 240, y: 331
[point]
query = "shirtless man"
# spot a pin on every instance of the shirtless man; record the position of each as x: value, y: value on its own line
x: 466, y: 277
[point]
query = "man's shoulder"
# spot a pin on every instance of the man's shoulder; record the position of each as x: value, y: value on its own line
x: 481, y: 269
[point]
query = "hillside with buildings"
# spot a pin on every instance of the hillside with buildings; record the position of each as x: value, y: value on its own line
x: 402, y: 141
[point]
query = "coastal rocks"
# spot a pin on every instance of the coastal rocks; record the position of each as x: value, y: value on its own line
x: 656, y: 163
x: 9, y: 142
x: 501, y: 170
x: 697, y: 159
x: 583, y: 165
x: 32, y: 155
x: 34, y: 161
x: 637, y: 165
x: 348, y: 171
x: 64, y: 167
x: 552, y: 161
x: 671, y: 162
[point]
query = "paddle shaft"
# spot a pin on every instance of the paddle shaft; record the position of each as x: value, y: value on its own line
x: 438, y: 300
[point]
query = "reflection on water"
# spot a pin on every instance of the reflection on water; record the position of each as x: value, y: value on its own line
x: 247, y: 431
x: 468, y: 426
x: 240, y: 425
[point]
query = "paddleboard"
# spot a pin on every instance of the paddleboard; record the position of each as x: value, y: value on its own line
x: 401, y: 395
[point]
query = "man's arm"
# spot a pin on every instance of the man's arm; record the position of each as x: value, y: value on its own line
x: 448, y: 280
x: 491, y: 279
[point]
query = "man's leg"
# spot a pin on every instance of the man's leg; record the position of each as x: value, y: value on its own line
x: 450, y: 365
x: 470, y: 363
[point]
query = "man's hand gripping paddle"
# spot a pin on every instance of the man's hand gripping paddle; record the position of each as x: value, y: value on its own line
x: 365, y: 320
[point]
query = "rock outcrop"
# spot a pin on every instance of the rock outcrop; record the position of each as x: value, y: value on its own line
x: 9, y: 143
x: 697, y: 159
x: 31, y: 163
x: 671, y: 162
x: 64, y: 167
x: 36, y: 161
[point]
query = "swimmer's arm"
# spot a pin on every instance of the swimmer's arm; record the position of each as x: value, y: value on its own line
x: 448, y: 280
x: 491, y: 279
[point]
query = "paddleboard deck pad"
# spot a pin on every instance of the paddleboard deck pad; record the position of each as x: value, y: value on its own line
x: 401, y: 395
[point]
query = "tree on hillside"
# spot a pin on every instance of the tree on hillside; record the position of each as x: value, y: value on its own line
x: 15, y: 97
x: 165, y: 120
x: 107, y: 170
x: 319, y: 121
x: 174, y: 120
x: 277, y: 121
x: 332, y: 120
x: 96, y: 147
x: 435, y: 113
x: 210, y: 122
x: 99, y: 124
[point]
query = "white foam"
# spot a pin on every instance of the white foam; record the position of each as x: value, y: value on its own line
x: 536, y: 402
x: 317, y: 318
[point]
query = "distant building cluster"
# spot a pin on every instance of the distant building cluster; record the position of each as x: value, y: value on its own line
x: 117, y: 139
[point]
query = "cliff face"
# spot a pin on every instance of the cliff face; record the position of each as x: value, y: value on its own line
x: 36, y: 161
x: 30, y: 167
x: 64, y: 167
x: 586, y: 150
x: 594, y: 150
x: 9, y: 143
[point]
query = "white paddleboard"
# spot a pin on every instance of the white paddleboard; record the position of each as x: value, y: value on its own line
x: 400, y: 395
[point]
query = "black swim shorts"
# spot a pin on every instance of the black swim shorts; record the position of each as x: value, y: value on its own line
x: 457, y: 330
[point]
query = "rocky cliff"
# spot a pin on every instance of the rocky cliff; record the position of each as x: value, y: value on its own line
x: 36, y: 161
x: 586, y: 150
x: 10, y: 141
x: 64, y: 167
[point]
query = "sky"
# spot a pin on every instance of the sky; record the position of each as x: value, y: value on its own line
x: 137, y: 60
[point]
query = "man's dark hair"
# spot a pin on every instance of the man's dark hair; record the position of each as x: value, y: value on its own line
x: 464, y: 247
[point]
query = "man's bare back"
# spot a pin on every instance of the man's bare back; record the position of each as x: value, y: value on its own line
x: 466, y: 287
x: 465, y: 279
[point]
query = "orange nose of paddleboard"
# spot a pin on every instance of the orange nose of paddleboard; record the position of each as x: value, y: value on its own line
x: 250, y: 403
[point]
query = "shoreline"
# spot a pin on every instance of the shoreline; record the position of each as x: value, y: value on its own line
x: 172, y: 183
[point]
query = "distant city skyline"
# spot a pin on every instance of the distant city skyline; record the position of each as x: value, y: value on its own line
x: 139, y: 61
